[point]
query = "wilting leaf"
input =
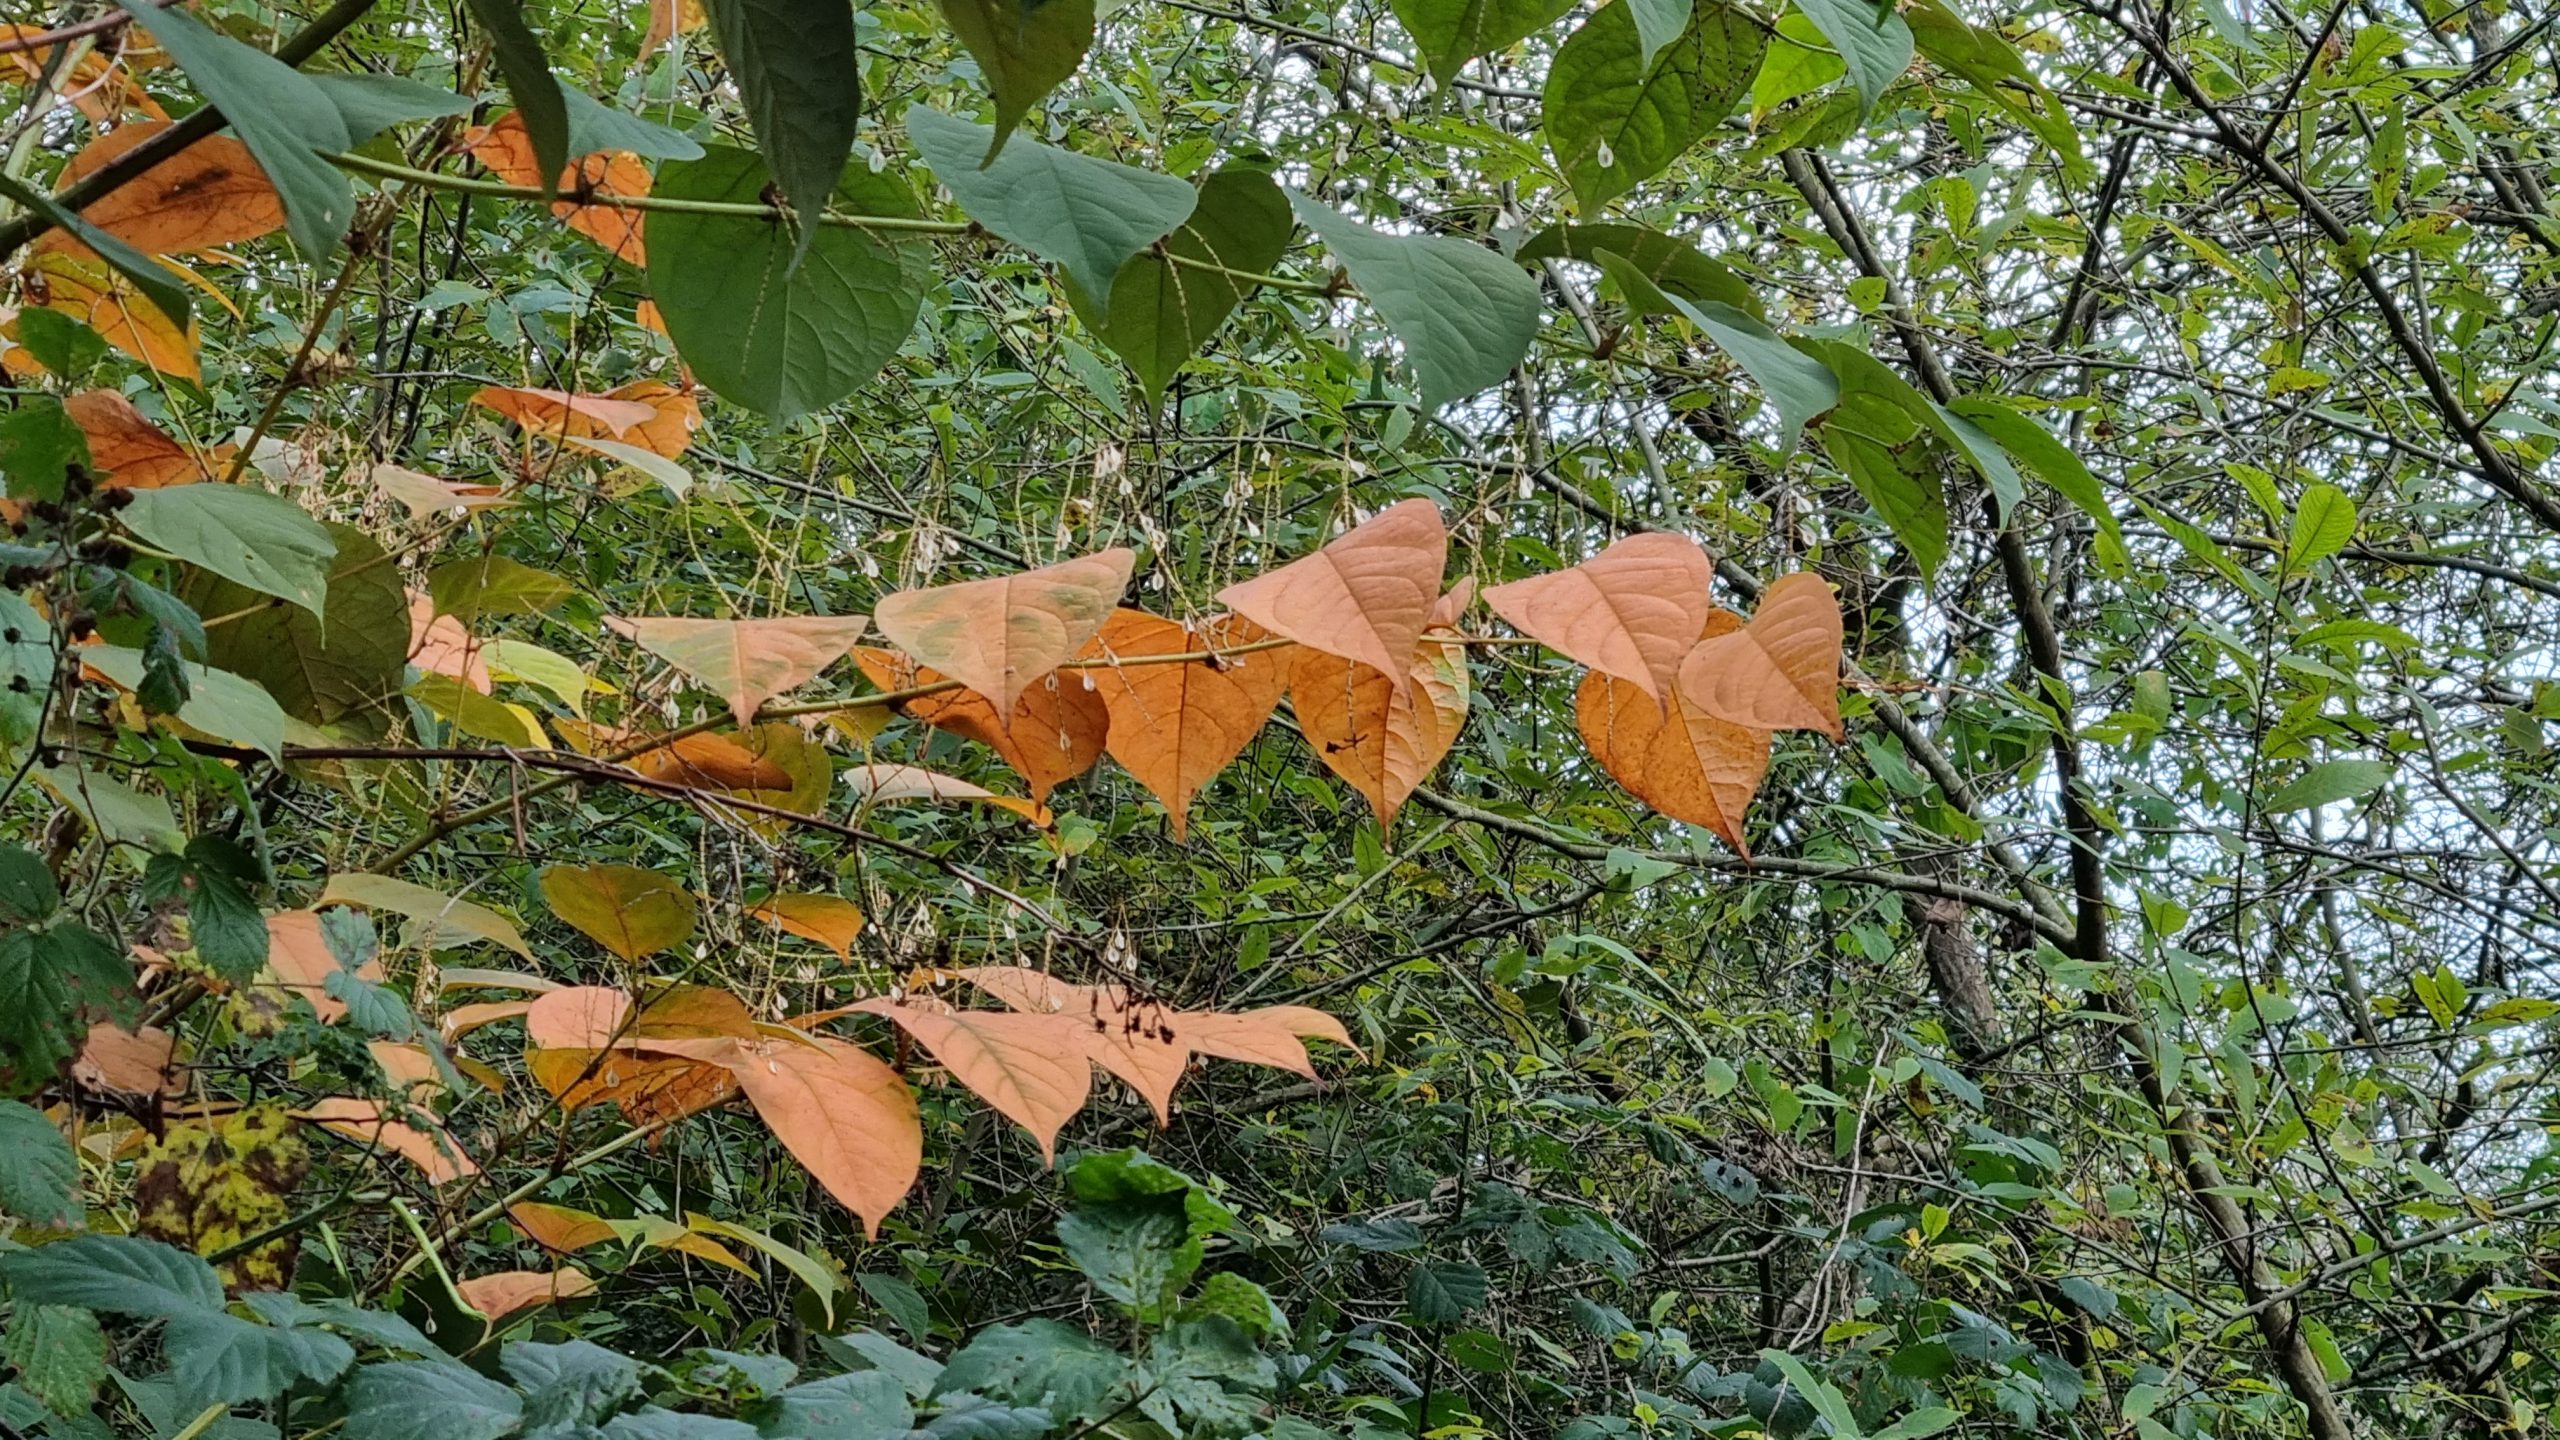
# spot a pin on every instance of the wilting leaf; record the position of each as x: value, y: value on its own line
x: 111, y: 304
x: 209, y: 1185
x: 431, y: 1150
x: 1024, y: 48
x: 840, y: 1112
x: 127, y: 451
x: 997, y: 636
x: 1632, y: 611
x: 1779, y: 672
x: 287, y: 122
x: 1174, y: 727
x: 747, y: 661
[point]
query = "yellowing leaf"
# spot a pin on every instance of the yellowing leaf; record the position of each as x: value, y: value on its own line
x: 997, y: 636
x: 211, y: 1184
x: 701, y: 762
x: 1382, y: 738
x: 559, y: 1228
x: 211, y: 193
x: 553, y: 413
x: 1779, y: 672
x: 1633, y: 611
x: 582, y: 1045
x: 442, y: 645
x: 508, y: 1291
x: 830, y: 920
x: 881, y: 783
x: 668, y: 19
x: 1056, y: 734
x: 443, y: 922
x: 841, y: 1113
x: 1680, y: 760
x: 1031, y: 1068
x: 127, y: 451
x: 747, y: 661
x: 1174, y: 727
x: 632, y: 912
x: 107, y: 303
x: 433, y: 1152
x: 1365, y: 597
x: 507, y: 151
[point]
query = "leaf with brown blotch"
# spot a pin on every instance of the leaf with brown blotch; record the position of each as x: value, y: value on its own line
x: 210, y: 194
x: 1683, y: 762
x: 433, y: 1152
x: 559, y: 1228
x: 428, y: 497
x: 1032, y: 1068
x: 507, y: 150
x: 701, y: 762
x: 127, y: 451
x: 1174, y: 727
x: 1383, y: 739
x: 1632, y: 611
x: 830, y: 920
x: 213, y: 1183
x: 632, y: 912
x: 114, y: 1060
x: 509, y: 1291
x: 845, y: 1116
x: 554, y: 413
x: 747, y: 661
x: 300, y: 960
x: 997, y: 636
x: 1365, y: 597
x: 107, y: 303
x: 1058, y: 730
x: 1781, y: 671
x: 442, y: 645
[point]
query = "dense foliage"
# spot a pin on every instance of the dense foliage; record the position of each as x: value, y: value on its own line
x: 699, y: 701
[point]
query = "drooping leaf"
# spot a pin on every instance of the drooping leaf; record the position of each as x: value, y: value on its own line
x: 503, y: 1293
x: 344, y: 670
x: 286, y: 121
x: 998, y: 636
x: 246, y: 536
x: 632, y: 912
x: 748, y: 661
x: 1174, y: 727
x: 798, y: 70
x: 1084, y: 215
x: 1031, y: 1068
x: 369, y: 104
x: 830, y: 920
x: 841, y: 1113
x: 1056, y: 732
x: 1381, y: 734
x: 1798, y: 386
x: 1161, y: 311
x: 761, y: 331
x: 1024, y: 48
x: 148, y: 278
x: 1618, y: 114
x: 1632, y: 611
x: 1366, y: 596
x: 492, y: 585
x: 126, y: 450
x: 1781, y: 671
x: 540, y: 99
x: 1871, y: 36
x: 424, y: 1144
x: 1679, y: 760
x: 218, y: 703
x: 1453, y: 32
x: 1464, y: 314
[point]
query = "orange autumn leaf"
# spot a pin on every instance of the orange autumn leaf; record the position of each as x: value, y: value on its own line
x: 556, y: 413
x: 442, y: 645
x: 1058, y: 728
x: 127, y: 451
x: 700, y: 762
x: 1174, y: 727
x: 845, y: 1116
x: 210, y: 194
x: 1032, y: 1068
x: 747, y: 661
x: 108, y: 303
x: 1365, y: 597
x: 128, y: 1062
x: 559, y: 1228
x: 101, y: 87
x: 1781, y: 671
x: 1274, y: 1035
x: 670, y: 18
x: 431, y: 1150
x: 878, y: 784
x: 508, y: 1291
x: 581, y: 1045
x: 997, y: 636
x: 830, y: 920
x: 1632, y: 611
x: 1380, y: 737
x: 1682, y: 761
x: 673, y: 416
x: 507, y: 150
x: 301, y: 961
x: 461, y: 1020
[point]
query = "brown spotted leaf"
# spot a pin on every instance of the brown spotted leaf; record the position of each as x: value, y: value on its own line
x: 212, y: 193
x: 1382, y: 738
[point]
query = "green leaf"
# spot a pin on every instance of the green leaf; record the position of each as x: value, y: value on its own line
x: 1024, y: 48
x: 438, y: 921
x: 369, y: 104
x: 594, y: 126
x: 1659, y: 22
x: 218, y: 702
x: 1139, y: 1251
x: 2052, y: 461
x: 61, y: 344
x: 1034, y: 1362
x: 1440, y: 1292
x: 1973, y: 445
x: 2322, y: 525
x: 540, y: 102
x: 222, y: 1359
x: 286, y: 121
x: 1798, y: 386
x: 39, y: 1174
x: 1464, y: 314
x: 1480, y: 1351
x: 121, y: 814
x: 1911, y: 499
x: 862, y: 1405
x: 39, y: 444
x: 1452, y: 32
x: 900, y: 1302
x: 1160, y: 313
x: 776, y: 339
x: 1239, y: 1300
x: 653, y: 1423
x: 870, y: 1349
x: 569, y: 1384
x: 118, y: 1274
x: 320, y: 674
x: 1617, y: 118
x: 60, y: 1354
x: 27, y: 889
x: 797, y: 67
x: 386, y: 1330
x: 1084, y: 215
x: 1871, y: 36
x: 2327, y: 783
x: 229, y: 933
x: 263, y: 541
x: 428, y: 1400
x: 157, y: 282
x: 1993, y: 67
x: 27, y: 663
x: 1822, y: 1395
x: 1673, y: 265
x: 491, y: 586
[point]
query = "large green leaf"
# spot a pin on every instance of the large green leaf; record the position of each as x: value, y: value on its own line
x: 540, y: 101
x: 1464, y: 314
x: 250, y: 537
x: 795, y: 63
x: 594, y: 125
x: 218, y: 703
x: 862, y: 1405
x: 1453, y: 32
x: 1025, y: 48
x: 1671, y: 263
x: 119, y: 1274
x: 2323, y: 524
x: 60, y: 1354
x: 759, y: 332
x: 1034, y: 1362
x: 1439, y: 1292
x: 39, y: 1176
x: 571, y: 1384
x: 286, y: 121
x: 1798, y: 386
x: 319, y: 672
x: 428, y: 1400
x: 1139, y: 1251
x: 1086, y: 216
x: 1871, y: 36
x: 52, y: 983
x: 370, y: 104
x: 1160, y: 313
x: 2035, y: 447
x: 1616, y: 118
x: 120, y: 813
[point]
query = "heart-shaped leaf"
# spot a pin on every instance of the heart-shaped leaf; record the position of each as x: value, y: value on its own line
x: 1779, y: 672
x: 1673, y: 756
x: 997, y: 636
x: 747, y: 661
x: 1174, y: 727
x: 1364, y: 597
x: 632, y: 912
x: 1632, y: 611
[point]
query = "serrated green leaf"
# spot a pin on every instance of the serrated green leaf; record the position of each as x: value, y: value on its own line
x: 39, y: 1174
